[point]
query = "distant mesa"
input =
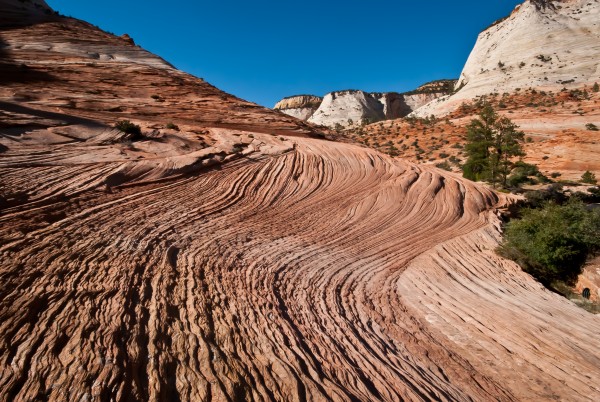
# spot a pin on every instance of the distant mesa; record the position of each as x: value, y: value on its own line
x: 354, y: 107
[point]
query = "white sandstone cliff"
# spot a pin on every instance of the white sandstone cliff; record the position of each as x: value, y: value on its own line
x: 542, y: 44
x: 300, y: 106
x: 353, y: 107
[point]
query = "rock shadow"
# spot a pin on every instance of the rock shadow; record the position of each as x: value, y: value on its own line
x: 14, y: 72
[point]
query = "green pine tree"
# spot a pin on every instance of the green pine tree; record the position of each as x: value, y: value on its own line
x: 492, y: 144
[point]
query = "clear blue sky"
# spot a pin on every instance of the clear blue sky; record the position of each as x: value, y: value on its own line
x: 263, y: 50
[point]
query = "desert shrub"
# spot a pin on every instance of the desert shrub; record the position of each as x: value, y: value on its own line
x: 172, y: 126
x: 444, y: 165
x: 588, y: 178
x: 592, y: 196
x: 554, y: 193
x: 130, y: 128
x: 454, y: 160
x: 554, y: 242
x: 525, y: 173
x: 543, y: 58
x: 591, y: 127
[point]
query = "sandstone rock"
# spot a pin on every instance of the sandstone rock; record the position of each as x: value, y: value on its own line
x: 127, y: 39
x: 546, y: 45
x: 353, y: 107
x: 223, y: 262
x: 300, y: 106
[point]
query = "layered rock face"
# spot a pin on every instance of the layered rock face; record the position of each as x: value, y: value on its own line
x: 213, y: 260
x: 545, y: 45
x: 300, y: 106
x: 352, y: 107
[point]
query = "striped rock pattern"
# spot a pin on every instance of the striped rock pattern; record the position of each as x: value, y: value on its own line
x: 326, y: 271
x: 239, y: 259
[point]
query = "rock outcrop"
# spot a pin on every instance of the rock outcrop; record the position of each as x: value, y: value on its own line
x: 225, y: 255
x: 545, y: 45
x: 353, y: 107
x: 300, y: 106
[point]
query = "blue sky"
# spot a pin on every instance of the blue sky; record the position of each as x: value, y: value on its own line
x: 263, y: 51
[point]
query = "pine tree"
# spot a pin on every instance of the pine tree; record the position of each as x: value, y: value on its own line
x: 596, y: 87
x: 492, y: 144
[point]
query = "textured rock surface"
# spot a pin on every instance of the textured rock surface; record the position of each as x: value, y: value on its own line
x: 352, y: 107
x: 543, y: 44
x: 221, y: 262
x: 349, y: 108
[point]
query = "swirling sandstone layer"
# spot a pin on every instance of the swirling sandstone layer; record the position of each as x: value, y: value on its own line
x: 327, y: 272
x: 221, y: 262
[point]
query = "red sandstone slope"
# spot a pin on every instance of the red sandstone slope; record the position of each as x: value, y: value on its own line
x: 221, y: 262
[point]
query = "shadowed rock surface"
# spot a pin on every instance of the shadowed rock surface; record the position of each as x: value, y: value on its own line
x: 232, y: 257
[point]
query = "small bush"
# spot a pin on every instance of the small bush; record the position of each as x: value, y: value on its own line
x: 588, y: 178
x: 130, y: 128
x: 543, y: 58
x: 591, y: 127
x: 444, y: 165
x: 537, y: 198
x: 172, y: 126
x: 525, y: 173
